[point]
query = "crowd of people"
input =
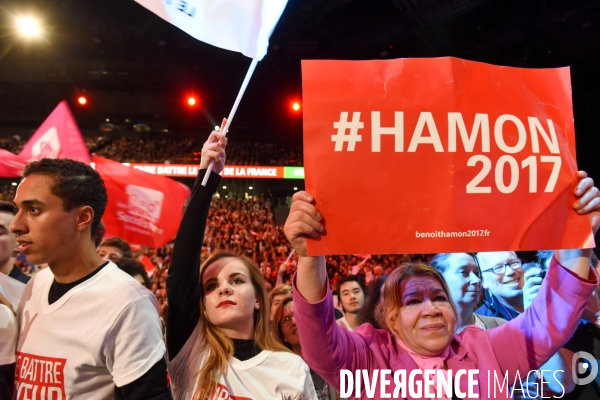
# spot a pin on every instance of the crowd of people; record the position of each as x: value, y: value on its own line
x: 238, y: 325
x: 247, y: 226
x: 14, y: 144
x: 132, y: 150
x: 164, y: 150
x: 7, y: 192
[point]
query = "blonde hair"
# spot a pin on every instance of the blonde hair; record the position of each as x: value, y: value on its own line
x: 219, y: 347
x: 391, y: 294
x: 283, y: 288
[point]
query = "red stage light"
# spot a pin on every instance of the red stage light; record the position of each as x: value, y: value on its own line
x: 296, y: 106
x: 82, y: 100
x: 191, y: 101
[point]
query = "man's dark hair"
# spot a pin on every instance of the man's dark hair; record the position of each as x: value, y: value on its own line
x: 75, y: 183
x: 133, y: 268
x: 351, y: 278
x: 8, y: 207
x: 119, y: 244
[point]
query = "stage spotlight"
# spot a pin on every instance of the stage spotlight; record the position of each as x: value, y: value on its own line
x: 296, y: 106
x: 28, y: 27
x: 191, y: 101
x: 82, y: 100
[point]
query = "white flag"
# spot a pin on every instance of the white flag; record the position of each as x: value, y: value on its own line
x: 238, y: 25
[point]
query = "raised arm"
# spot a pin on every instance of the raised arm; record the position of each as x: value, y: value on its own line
x: 529, y: 340
x: 183, y: 287
x: 588, y: 202
x: 305, y: 221
x: 326, y: 346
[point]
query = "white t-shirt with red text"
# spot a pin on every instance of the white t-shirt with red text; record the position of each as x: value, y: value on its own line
x: 268, y: 375
x: 103, y: 332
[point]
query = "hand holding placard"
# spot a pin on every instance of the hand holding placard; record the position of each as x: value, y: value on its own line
x: 589, y: 199
x: 303, y: 221
x: 587, y: 203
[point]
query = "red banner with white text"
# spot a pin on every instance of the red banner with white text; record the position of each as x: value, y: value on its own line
x: 229, y: 171
x: 440, y: 155
x: 142, y: 208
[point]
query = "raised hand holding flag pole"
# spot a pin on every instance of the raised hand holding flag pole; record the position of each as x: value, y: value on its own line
x: 238, y: 25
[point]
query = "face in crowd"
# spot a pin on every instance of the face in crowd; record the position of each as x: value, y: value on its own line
x: 110, y: 253
x: 8, y: 241
x: 44, y: 229
x: 417, y: 308
x: 352, y: 297
x: 463, y: 277
x: 230, y: 299
x: 502, y: 273
x: 426, y: 319
x: 276, y: 301
x: 287, y: 325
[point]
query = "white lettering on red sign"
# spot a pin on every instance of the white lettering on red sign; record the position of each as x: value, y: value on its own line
x: 479, y: 137
x: 39, y: 378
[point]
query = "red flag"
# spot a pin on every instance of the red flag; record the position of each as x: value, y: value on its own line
x: 57, y: 137
x: 142, y: 208
x: 11, y: 165
x: 147, y: 263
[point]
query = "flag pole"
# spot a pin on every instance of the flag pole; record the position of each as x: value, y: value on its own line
x: 232, y: 113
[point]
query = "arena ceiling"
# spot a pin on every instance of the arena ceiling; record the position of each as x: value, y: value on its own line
x: 134, y: 66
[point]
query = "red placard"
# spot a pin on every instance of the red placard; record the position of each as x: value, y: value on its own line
x: 440, y: 155
x: 142, y: 208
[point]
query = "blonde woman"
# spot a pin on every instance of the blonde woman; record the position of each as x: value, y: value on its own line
x: 218, y: 339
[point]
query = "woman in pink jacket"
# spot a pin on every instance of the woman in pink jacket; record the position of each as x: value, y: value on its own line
x: 420, y: 321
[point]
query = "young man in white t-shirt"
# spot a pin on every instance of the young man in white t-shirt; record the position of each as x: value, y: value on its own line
x: 87, y: 329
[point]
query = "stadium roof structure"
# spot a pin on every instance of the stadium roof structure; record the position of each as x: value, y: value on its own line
x: 136, y: 68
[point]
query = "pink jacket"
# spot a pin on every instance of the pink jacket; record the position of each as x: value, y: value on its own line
x: 521, y: 345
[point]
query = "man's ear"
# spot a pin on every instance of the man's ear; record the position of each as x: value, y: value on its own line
x: 84, y: 217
